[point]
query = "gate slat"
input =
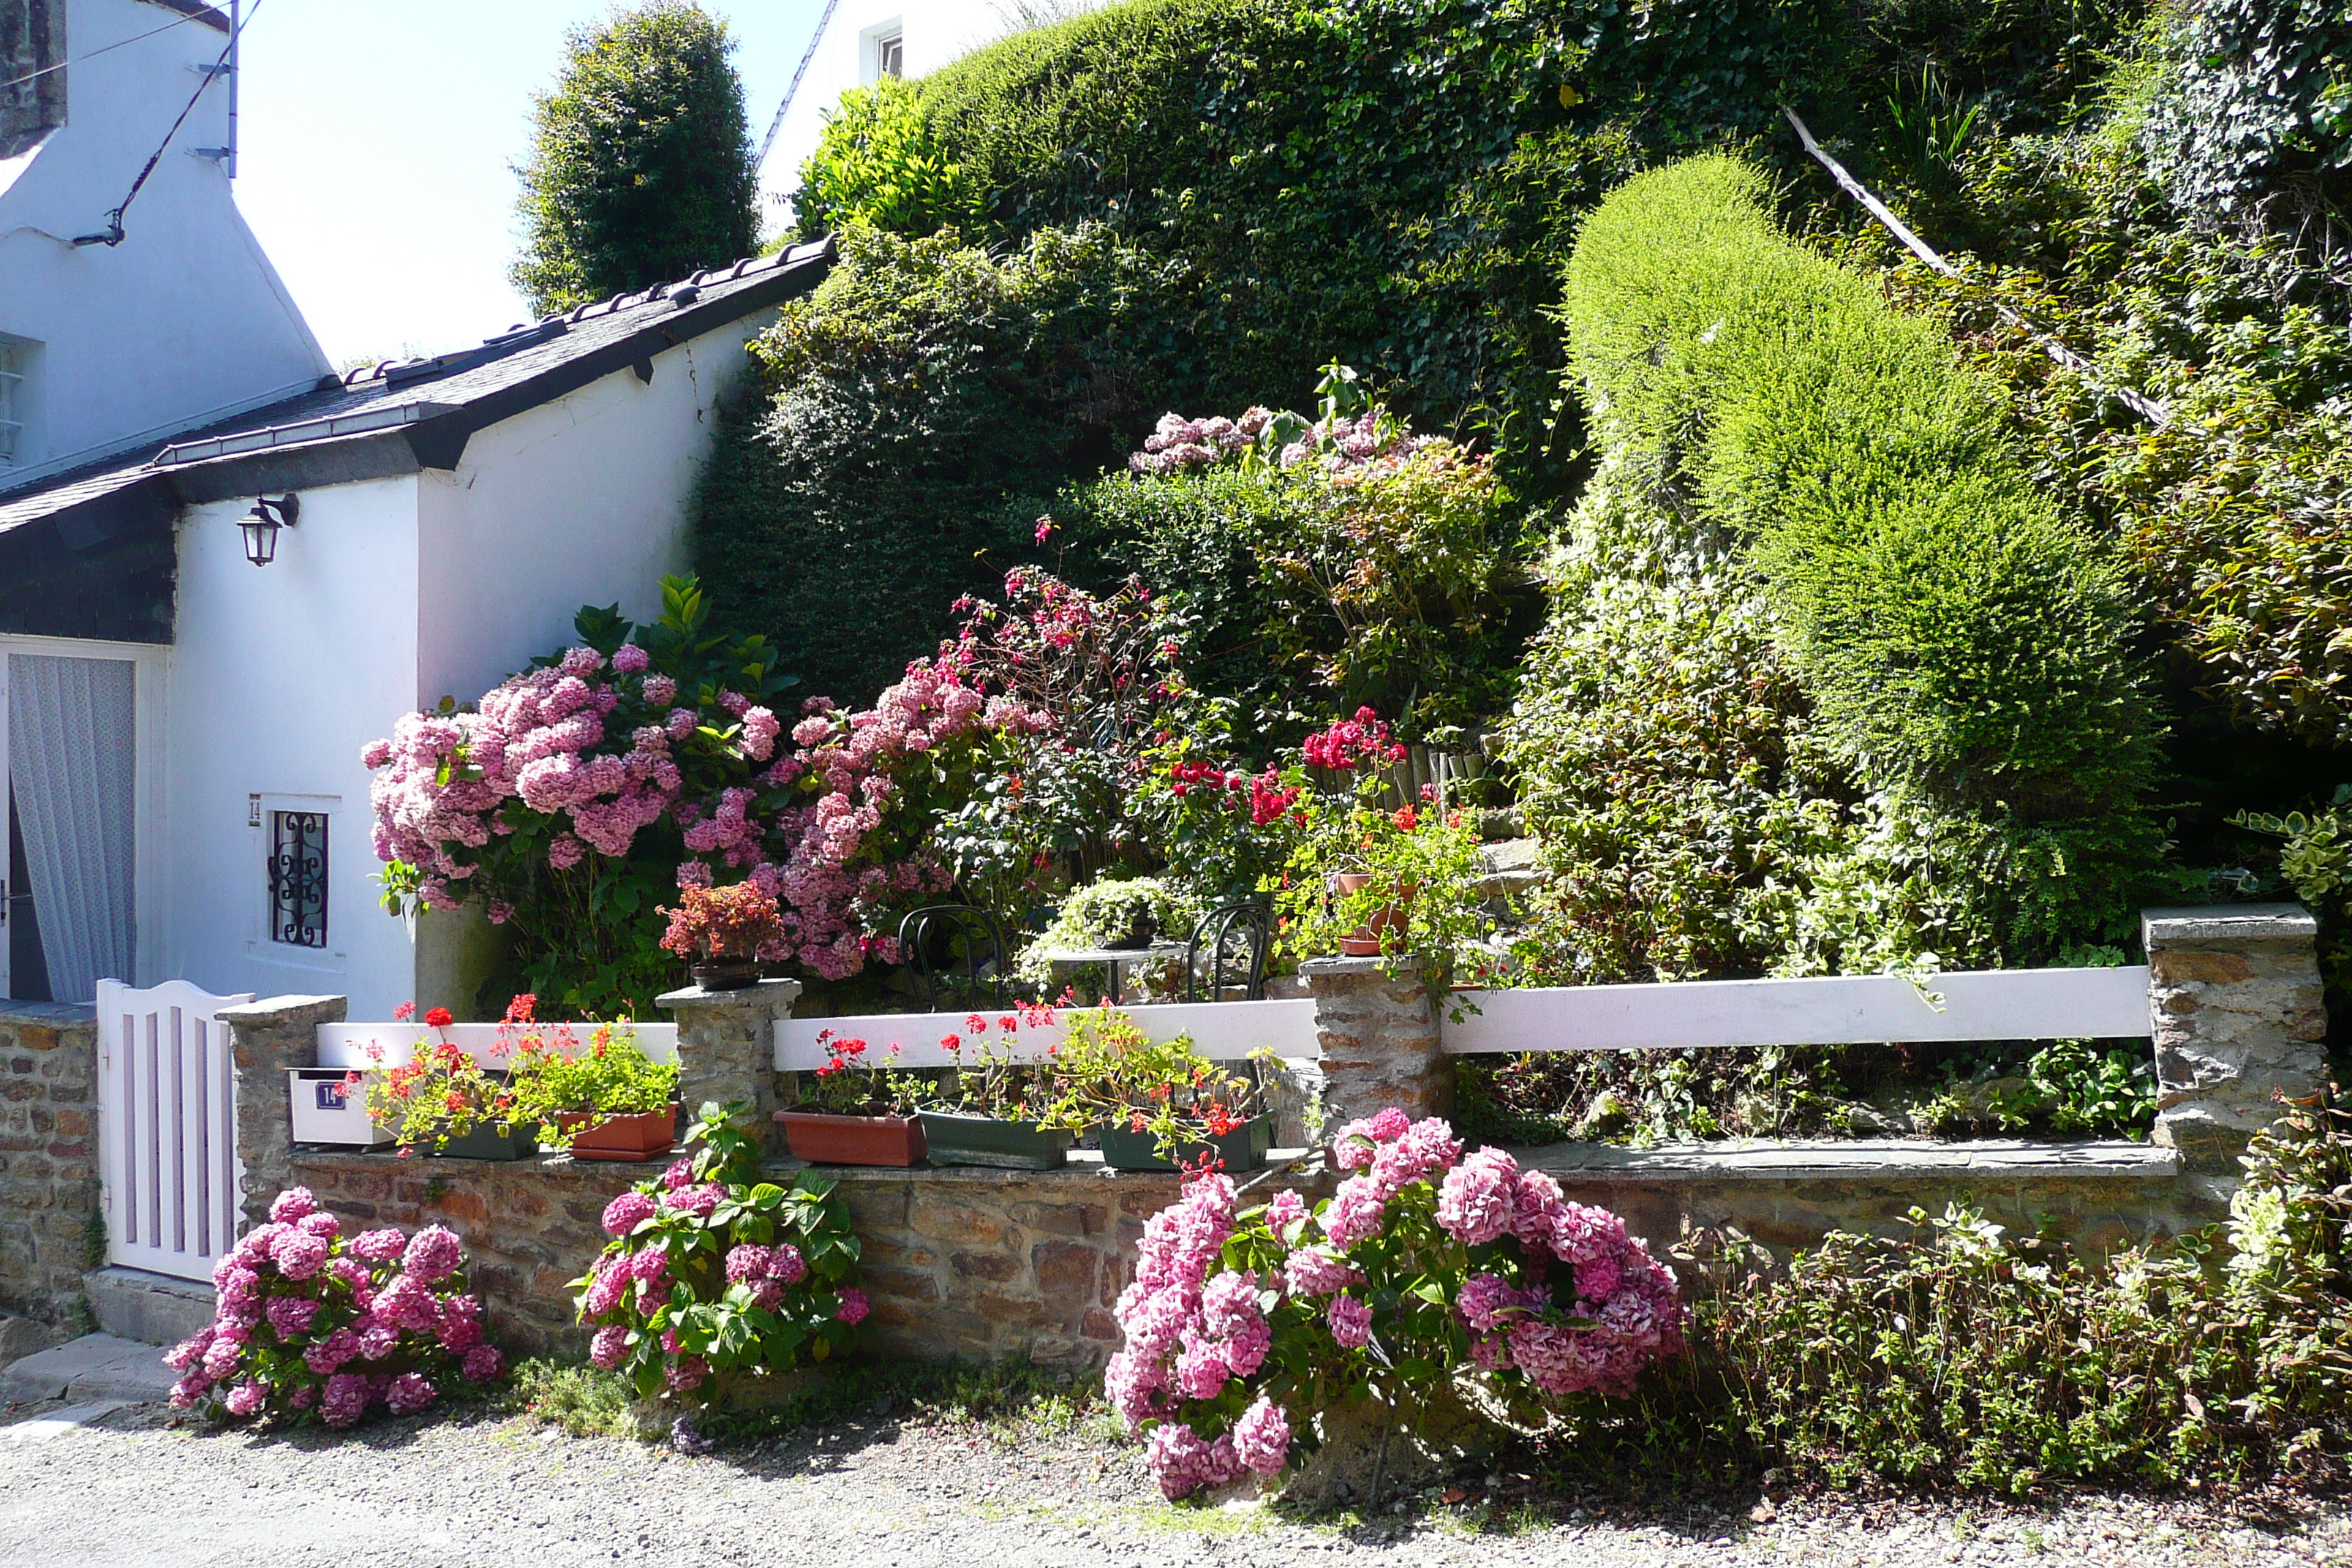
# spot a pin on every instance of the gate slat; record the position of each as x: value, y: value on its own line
x: 167, y: 1129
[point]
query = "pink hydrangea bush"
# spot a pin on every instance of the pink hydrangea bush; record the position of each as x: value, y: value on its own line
x: 316, y: 1325
x: 711, y: 1270
x: 1425, y: 1266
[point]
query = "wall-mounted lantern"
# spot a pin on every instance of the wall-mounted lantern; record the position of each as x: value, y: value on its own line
x: 260, y: 526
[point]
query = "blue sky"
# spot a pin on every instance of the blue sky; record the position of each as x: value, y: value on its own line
x: 377, y: 146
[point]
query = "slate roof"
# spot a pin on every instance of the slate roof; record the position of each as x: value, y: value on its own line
x: 87, y: 553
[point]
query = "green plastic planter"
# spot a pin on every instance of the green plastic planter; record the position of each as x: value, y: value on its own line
x: 489, y: 1141
x: 985, y: 1140
x: 1243, y: 1149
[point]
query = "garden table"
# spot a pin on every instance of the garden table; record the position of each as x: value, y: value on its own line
x: 1114, y: 959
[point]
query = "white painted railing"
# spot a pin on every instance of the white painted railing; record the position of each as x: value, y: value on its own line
x: 167, y: 1126
x: 1984, y: 1004
x: 1222, y: 1031
x: 365, y: 1045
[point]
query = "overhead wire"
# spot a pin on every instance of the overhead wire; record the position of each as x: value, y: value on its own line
x: 113, y: 233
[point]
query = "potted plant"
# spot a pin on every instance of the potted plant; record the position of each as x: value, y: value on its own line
x: 1112, y: 915
x: 853, y: 1112
x: 721, y: 932
x: 1156, y: 1105
x: 990, y: 1109
x: 441, y: 1097
x: 601, y: 1099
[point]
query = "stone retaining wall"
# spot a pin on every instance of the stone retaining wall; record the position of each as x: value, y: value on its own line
x: 48, y: 1156
x: 965, y: 1263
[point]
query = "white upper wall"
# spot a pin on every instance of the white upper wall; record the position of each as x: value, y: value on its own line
x: 934, y: 33
x: 184, y: 320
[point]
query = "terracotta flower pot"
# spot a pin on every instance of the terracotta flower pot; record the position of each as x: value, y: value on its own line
x: 825, y: 1140
x: 646, y: 1135
x: 1364, y: 941
x: 725, y: 973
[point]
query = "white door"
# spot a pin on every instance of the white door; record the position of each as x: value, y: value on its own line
x: 166, y: 1127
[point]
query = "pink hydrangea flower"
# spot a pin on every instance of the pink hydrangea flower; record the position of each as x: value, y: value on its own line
x: 246, y: 1398
x: 1312, y: 1271
x: 1354, y: 1212
x: 345, y: 1400
x: 484, y: 1363
x: 290, y: 1316
x: 298, y: 1256
x: 292, y: 1204
x: 410, y: 1392
x: 854, y: 1306
x: 680, y: 1173
x: 745, y: 1264
x: 624, y: 1214
x: 379, y: 1247
x: 1261, y: 1437
x: 629, y: 658
x: 609, y: 1348
x: 1351, y: 1321
x: 786, y: 1264
x: 1285, y: 1209
x: 686, y: 1374
x: 1478, y: 1199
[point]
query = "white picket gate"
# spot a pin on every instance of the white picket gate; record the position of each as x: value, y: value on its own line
x: 167, y: 1126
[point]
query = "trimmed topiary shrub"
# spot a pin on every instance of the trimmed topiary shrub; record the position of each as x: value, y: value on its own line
x: 1959, y: 638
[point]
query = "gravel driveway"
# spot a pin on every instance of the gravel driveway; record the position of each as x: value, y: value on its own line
x: 876, y: 1492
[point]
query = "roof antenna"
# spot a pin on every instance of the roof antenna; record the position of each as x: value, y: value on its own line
x: 112, y: 234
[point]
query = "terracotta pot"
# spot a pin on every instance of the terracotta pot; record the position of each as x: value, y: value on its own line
x: 1364, y: 941
x: 647, y: 1135
x: 824, y: 1140
x: 725, y: 973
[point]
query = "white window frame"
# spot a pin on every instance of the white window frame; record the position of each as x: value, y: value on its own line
x: 260, y: 944
x: 871, y: 43
x: 14, y: 403
x: 150, y: 875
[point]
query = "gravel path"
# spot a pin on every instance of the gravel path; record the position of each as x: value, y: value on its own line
x: 880, y: 1493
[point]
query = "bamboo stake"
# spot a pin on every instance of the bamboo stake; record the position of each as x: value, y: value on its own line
x: 2139, y: 402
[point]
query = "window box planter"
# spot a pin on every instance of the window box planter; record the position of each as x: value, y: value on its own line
x: 328, y: 1109
x: 821, y: 1139
x: 1243, y: 1149
x: 492, y: 1140
x: 985, y: 1140
x: 646, y: 1135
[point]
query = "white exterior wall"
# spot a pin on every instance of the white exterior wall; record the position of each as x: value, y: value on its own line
x: 183, y: 320
x: 938, y: 32
x: 278, y: 677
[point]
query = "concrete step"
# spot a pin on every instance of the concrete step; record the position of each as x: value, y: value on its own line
x: 132, y: 1304
x: 93, y: 1369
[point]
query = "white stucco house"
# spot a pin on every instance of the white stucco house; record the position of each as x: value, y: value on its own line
x: 856, y: 43
x: 182, y: 725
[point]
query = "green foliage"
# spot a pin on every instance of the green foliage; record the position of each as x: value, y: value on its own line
x: 2315, y: 859
x: 1959, y: 1355
x: 1959, y: 639
x: 878, y: 164
x: 578, y: 1400
x: 641, y: 161
x: 1108, y: 911
x: 1402, y: 880
x: 2259, y: 106
x: 911, y: 418
x: 609, y: 1074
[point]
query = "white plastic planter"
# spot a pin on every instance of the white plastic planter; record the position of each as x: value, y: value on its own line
x: 328, y: 1109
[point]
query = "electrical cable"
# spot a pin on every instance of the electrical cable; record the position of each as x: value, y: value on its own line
x: 113, y: 235
x: 102, y: 49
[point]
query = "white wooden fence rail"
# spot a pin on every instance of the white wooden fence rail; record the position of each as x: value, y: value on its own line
x: 364, y: 1046
x: 1984, y: 1004
x: 1222, y: 1031
x: 167, y: 1126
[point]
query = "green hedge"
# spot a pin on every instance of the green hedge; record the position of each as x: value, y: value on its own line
x: 1959, y: 638
x: 910, y: 420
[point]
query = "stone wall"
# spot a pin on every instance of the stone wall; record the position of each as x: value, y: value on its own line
x: 2235, y: 1008
x: 964, y: 1263
x: 48, y: 1156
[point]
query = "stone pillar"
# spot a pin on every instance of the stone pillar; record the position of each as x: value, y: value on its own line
x: 2234, y: 1006
x: 266, y: 1038
x: 727, y: 1044
x: 1379, y: 1034
x: 48, y: 1159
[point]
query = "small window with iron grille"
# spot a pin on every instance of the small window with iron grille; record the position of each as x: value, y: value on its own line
x: 298, y: 878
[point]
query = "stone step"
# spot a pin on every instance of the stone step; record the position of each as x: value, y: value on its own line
x: 91, y: 1369
x: 156, y: 1309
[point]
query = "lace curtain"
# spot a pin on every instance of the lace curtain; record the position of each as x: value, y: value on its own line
x: 71, y: 752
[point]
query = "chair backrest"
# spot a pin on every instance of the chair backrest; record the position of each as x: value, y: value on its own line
x: 1233, y: 939
x: 943, y: 943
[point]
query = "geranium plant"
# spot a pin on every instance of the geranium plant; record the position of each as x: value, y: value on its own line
x: 1425, y: 1267
x: 315, y: 1325
x: 442, y: 1093
x: 712, y: 1272
x: 1109, y: 1072
x: 851, y: 1084
x: 563, y: 1076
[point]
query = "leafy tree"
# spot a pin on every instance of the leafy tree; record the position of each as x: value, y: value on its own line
x: 642, y: 167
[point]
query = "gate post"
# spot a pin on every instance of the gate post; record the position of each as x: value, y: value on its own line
x: 2234, y: 1007
x: 727, y: 1046
x: 266, y: 1038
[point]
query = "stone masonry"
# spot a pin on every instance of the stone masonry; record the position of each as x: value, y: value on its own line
x: 2234, y: 994
x: 725, y: 1043
x: 48, y: 1156
x: 1379, y: 1040
x: 267, y: 1038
